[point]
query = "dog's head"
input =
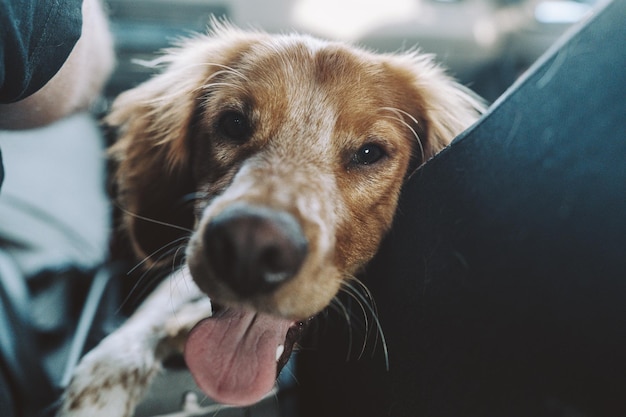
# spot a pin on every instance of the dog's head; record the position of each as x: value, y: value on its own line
x: 293, y: 151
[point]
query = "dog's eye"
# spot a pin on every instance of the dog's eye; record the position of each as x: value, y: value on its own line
x: 368, y: 154
x: 235, y: 126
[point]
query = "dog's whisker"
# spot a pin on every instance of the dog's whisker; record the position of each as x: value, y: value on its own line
x: 363, y: 287
x: 167, y: 59
x: 168, y: 98
x: 227, y: 69
x: 172, y: 249
x: 135, y: 290
x: 219, y: 84
x: 417, y: 138
x: 338, y: 306
x: 217, y: 74
x: 182, y: 261
x: 351, y: 291
x: 372, y: 303
x: 400, y: 111
x: 148, y: 219
x: 165, y: 98
x: 178, y: 278
x: 141, y: 281
x: 368, y: 303
x: 151, y: 255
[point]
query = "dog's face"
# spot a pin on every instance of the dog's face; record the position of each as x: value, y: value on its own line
x: 299, y: 150
x: 294, y: 151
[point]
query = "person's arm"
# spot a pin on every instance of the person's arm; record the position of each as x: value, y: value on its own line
x: 78, y: 82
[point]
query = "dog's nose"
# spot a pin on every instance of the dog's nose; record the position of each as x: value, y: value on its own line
x: 254, y: 249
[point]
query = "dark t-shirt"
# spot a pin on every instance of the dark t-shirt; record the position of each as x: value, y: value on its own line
x: 36, y: 37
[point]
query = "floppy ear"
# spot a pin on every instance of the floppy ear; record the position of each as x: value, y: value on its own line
x: 445, y: 109
x: 154, y: 122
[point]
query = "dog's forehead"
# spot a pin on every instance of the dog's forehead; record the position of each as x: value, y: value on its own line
x: 300, y: 63
x: 324, y: 85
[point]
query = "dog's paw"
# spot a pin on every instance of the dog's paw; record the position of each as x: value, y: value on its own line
x: 110, y: 380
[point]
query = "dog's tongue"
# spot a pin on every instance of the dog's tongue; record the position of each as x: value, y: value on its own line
x: 232, y: 356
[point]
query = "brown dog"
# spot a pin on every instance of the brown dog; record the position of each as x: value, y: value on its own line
x: 276, y: 162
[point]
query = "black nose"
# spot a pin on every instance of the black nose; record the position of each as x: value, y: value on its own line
x: 254, y: 249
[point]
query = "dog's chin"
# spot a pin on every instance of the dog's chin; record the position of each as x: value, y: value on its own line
x: 236, y: 355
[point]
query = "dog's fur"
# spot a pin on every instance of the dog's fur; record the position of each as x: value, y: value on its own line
x: 251, y: 125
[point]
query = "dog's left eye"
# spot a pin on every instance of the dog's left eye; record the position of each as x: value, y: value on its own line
x: 368, y: 154
x: 235, y: 126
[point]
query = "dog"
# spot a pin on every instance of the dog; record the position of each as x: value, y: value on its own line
x: 265, y: 170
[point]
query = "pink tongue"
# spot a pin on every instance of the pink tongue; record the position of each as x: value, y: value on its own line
x: 232, y: 356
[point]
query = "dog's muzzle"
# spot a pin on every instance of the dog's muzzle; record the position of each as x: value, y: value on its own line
x: 250, y: 250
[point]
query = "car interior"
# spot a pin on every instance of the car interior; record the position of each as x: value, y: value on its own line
x: 66, y: 281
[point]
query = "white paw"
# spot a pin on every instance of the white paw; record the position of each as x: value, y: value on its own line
x: 110, y: 380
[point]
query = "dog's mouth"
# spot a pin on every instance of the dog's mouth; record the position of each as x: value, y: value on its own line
x: 235, y: 356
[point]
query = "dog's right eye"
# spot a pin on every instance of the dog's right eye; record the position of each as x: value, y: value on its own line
x: 235, y: 126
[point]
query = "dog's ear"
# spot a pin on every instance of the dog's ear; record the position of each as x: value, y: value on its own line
x: 442, y: 106
x: 152, y: 154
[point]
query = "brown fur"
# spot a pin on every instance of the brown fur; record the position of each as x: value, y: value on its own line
x: 312, y: 105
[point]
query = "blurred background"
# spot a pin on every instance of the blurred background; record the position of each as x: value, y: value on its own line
x: 60, y: 292
x: 485, y: 43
